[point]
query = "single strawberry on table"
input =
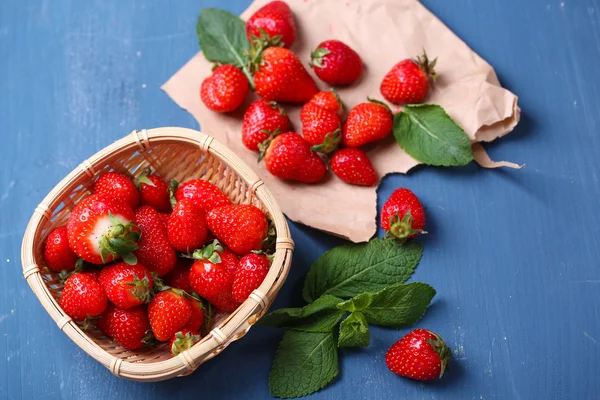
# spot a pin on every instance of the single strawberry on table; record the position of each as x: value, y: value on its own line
x: 321, y: 128
x: 275, y: 19
x: 421, y: 355
x: 408, y: 81
x: 154, y: 192
x: 241, y: 227
x: 262, y: 120
x: 168, y: 313
x: 204, y: 194
x: 329, y: 100
x: 154, y: 252
x: 290, y: 157
x: 352, y: 165
x: 179, y: 277
x: 366, y: 123
x: 128, y: 327
x: 83, y: 297
x: 187, y: 226
x: 402, y: 215
x: 183, y: 340
x: 225, y: 90
x: 118, y: 186
x: 126, y: 285
x: 101, y: 229
x: 252, y: 270
x: 57, y: 253
x: 336, y: 63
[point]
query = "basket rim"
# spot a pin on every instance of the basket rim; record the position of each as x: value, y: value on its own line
x: 233, y: 327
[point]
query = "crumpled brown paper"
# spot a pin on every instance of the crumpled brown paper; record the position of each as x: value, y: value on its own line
x: 383, y: 32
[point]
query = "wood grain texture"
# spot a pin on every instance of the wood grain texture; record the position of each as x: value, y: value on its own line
x: 513, y: 255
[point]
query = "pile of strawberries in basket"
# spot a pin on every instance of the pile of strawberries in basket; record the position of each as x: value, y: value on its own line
x: 148, y: 261
x: 279, y: 76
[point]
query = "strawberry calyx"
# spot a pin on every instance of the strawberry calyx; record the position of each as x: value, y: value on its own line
x: 381, y: 103
x: 149, y: 340
x: 316, y: 57
x: 184, y: 341
x: 268, y: 243
x: 258, y: 44
x: 209, y: 252
x: 89, y: 322
x: 264, y: 145
x: 339, y: 100
x: 173, y: 186
x: 121, y: 239
x: 144, y: 179
x: 401, y: 228
x: 426, y: 65
x: 440, y: 347
x: 141, y: 289
x: 275, y: 106
x: 64, y: 275
x: 330, y: 142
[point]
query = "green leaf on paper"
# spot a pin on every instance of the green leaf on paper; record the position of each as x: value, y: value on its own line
x: 305, y: 362
x: 354, y: 331
x: 430, y: 136
x: 321, y: 316
x: 222, y: 37
x: 352, y: 269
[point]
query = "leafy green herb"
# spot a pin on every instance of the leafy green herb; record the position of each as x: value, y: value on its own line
x: 352, y: 269
x: 305, y: 362
x: 321, y: 316
x: 430, y: 136
x: 357, y: 303
x: 354, y: 331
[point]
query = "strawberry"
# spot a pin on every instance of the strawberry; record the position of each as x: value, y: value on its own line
x: 179, y: 277
x: 204, y: 194
x: 320, y: 127
x: 183, y: 340
x: 289, y: 156
x: 275, y: 21
x: 155, y: 251
x: 128, y: 327
x: 216, y: 253
x: 422, y: 355
x: 242, y: 228
x: 353, y: 166
x: 329, y: 100
x: 57, y: 253
x: 408, y: 81
x: 336, y: 63
x: 187, y: 226
x: 366, y: 123
x: 251, y: 272
x: 225, y: 90
x: 197, y: 317
x: 101, y: 229
x: 212, y: 280
x: 165, y: 220
x: 83, y: 297
x: 168, y: 313
x: 126, y: 285
x: 154, y: 192
x: 280, y: 76
x: 402, y: 215
x: 117, y: 186
x: 263, y: 119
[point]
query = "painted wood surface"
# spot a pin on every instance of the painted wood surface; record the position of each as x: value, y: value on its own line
x: 514, y: 255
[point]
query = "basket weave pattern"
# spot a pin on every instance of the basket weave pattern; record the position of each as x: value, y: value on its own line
x: 173, y: 153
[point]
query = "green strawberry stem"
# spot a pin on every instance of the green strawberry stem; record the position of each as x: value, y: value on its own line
x: 401, y: 228
x: 330, y: 142
x: 120, y: 240
x: 316, y: 57
x: 183, y: 342
x: 440, y: 347
x: 141, y: 289
x: 209, y: 252
x: 426, y: 65
x: 173, y: 185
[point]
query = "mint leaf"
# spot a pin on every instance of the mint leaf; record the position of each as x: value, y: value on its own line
x: 320, y: 316
x: 357, y: 303
x: 399, y: 305
x: 354, y: 331
x: 305, y: 362
x: 222, y: 36
x: 348, y: 270
x: 430, y: 136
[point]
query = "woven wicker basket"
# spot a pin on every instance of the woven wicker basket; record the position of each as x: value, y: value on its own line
x: 174, y: 153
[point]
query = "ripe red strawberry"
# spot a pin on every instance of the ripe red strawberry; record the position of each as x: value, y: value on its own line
x: 329, y: 100
x: 155, y: 251
x: 165, y: 220
x: 204, y: 194
x: 212, y: 280
x: 187, y: 226
x: 320, y: 127
x: 128, y: 327
x: 276, y: 20
x: 117, y: 186
x: 251, y: 272
x: 336, y: 63
x: 242, y: 228
x: 216, y: 253
x: 179, y: 277
x: 225, y: 90
x: 154, y: 192
x: 183, y: 340
x: 422, y: 355
x: 262, y: 119
x: 126, y: 285
x: 280, y: 76
x: 353, y: 166
x: 366, y: 123
x: 197, y: 317
x: 168, y: 313
x: 289, y: 156
x: 101, y: 229
x: 57, y: 253
x: 83, y: 297
x: 402, y: 215
x: 408, y: 81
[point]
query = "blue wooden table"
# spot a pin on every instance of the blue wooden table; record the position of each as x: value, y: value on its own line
x: 514, y: 255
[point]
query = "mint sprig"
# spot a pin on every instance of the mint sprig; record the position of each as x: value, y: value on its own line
x: 354, y: 331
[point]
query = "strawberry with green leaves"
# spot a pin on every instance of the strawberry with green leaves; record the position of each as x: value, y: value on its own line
x: 320, y: 127
x: 241, y: 227
x: 329, y: 100
x: 366, y: 123
x: 126, y: 285
x: 274, y: 20
x: 118, y: 186
x: 352, y: 165
x: 402, y: 215
x: 225, y: 90
x: 263, y: 120
x: 83, y: 297
x: 101, y: 229
x: 187, y: 226
x: 421, y: 355
x: 183, y: 340
x: 204, y: 194
x: 154, y: 252
x: 154, y: 192
x: 408, y: 81
x: 57, y: 253
x: 128, y: 327
x: 336, y: 63
x: 168, y: 313
x: 251, y: 271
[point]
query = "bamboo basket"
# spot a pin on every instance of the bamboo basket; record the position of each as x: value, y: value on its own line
x: 173, y: 153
